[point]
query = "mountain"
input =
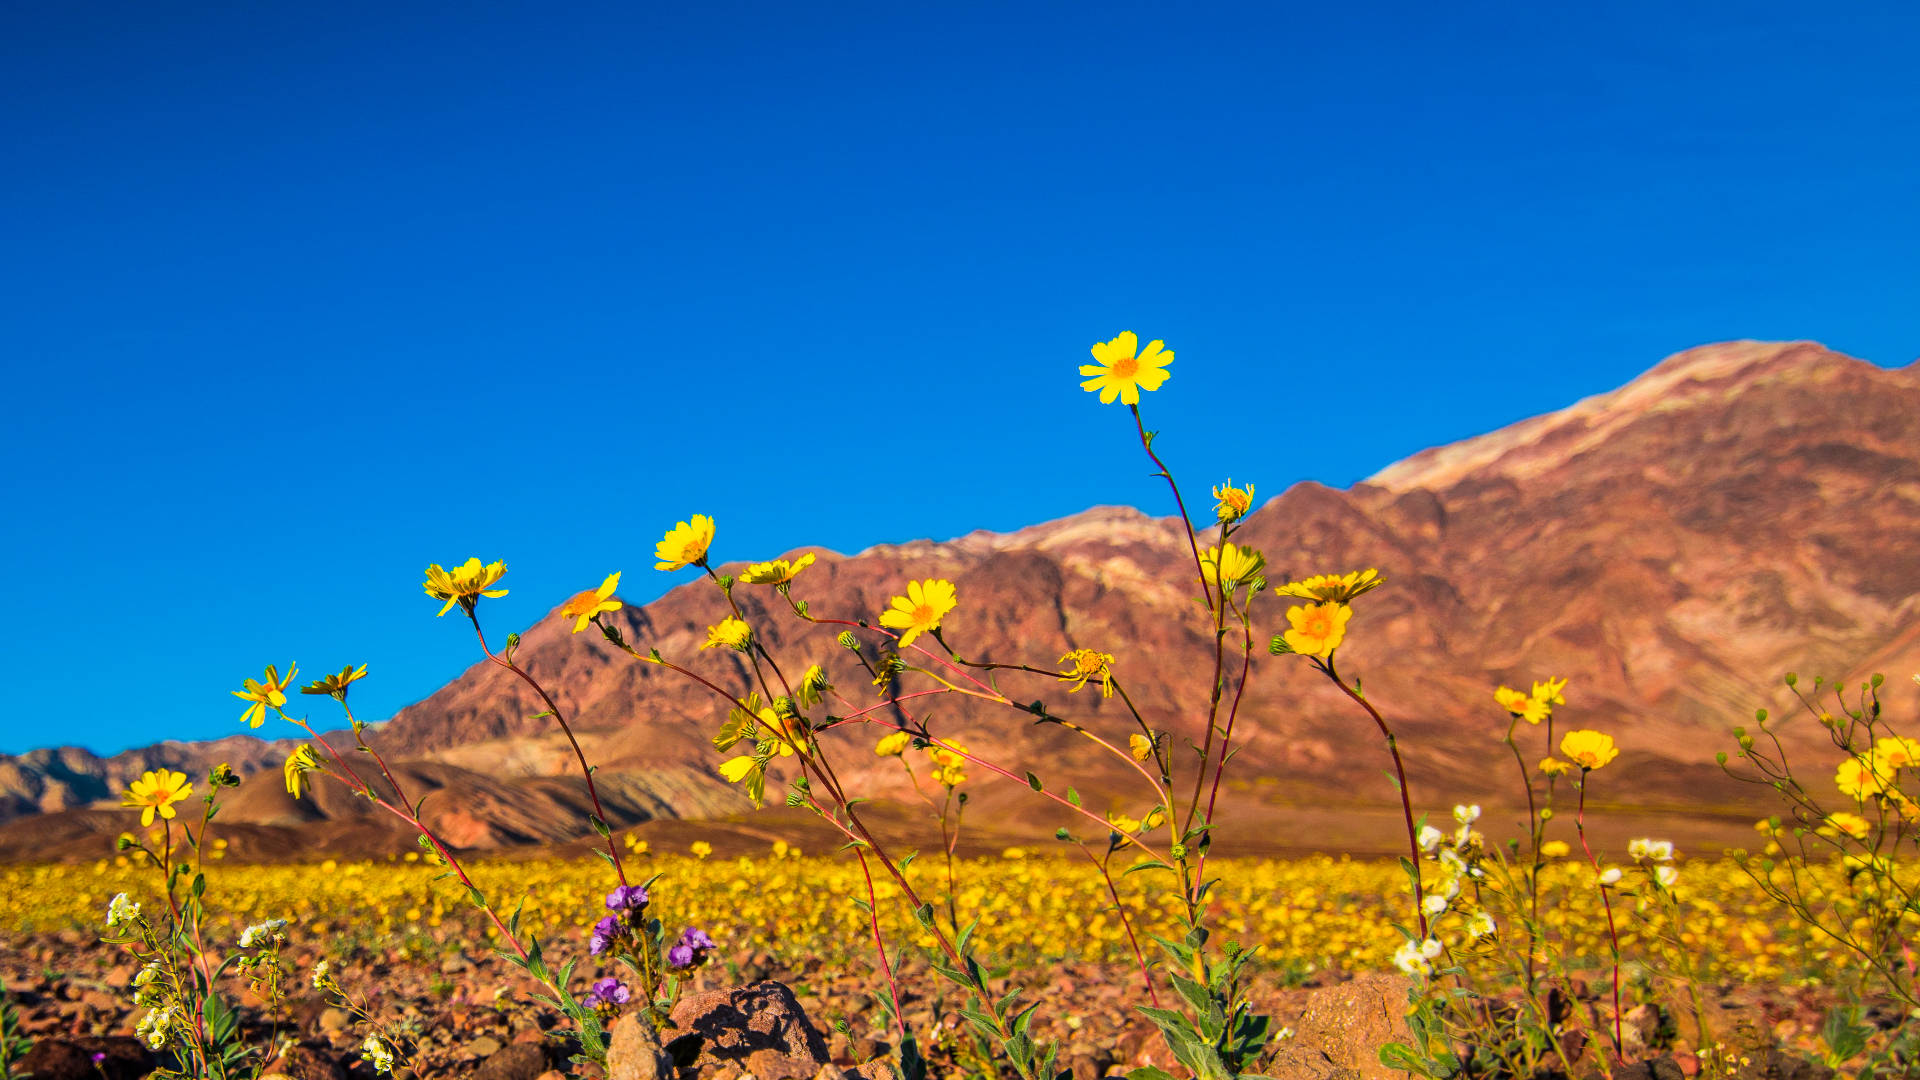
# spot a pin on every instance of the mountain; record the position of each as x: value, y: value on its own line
x: 1670, y: 547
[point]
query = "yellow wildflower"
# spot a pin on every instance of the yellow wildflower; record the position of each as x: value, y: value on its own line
x: 1340, y: 588
x: 949, y: 763
x: 700, y: 848
x: 738, y: 769
x: 1861, y: 776
x: 585, y: 605
x: 1231, y: 503
x: 730, y: 632
x: 1553, y: 766
x: 777, y: 572
x: 685, y: 544
x: 1554, y: 849
x: 1122, y: 823
x: 1531, y: 709
x: 920, y: 611
x: 894, y: 744
x: 1317, y: 629
x: 1085, y: 664
x: 334, y: 686
x: 299, y: 763
x: 1549, y: 692
x: 1588, y: 749
x: 156, y: 791
x: 1140, y: 746
x: 1842, y: 823
x: 1235, y: 564
x: 464, y: 584
x: 268, y: 694
x: 1897, y: 752
x: 1121, y: 374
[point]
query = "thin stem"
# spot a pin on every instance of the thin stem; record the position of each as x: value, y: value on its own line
x: 1400, y: 775
x: 1606, y: 902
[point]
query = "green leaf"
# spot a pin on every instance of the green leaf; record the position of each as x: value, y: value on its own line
x: 1073, y: 796
x: 1033, y: 782
x: 1401, y: 1057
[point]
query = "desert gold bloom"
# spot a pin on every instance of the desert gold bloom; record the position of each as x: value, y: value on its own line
x: 1122, y: 823
x: 335, y: 685
x: 299, y: 763
x: 730, y: 632
x: 1121, y: 374
x: 685, y: 544
x: 1232, y: 503
x: 893, y: 745
x: 156, y: 791
x: 270, y: 693
x: 1861, y: 776
x: 700, y: 848
x: 738, y: 769
x: 1588, y: 749
x: 777, y: 572
x: 1339, y: 588
x: 585, y: 605
x: 1139, y: 746
x: 1084, y: 664
x: 920, y: 611
x: 1897, y: 752
x: 464, y: 584
x: 1528, y: 708
x: 1317, y: 629
x: 1231, y: 563
x: 949, y: 764
x: 1554, y: 766
x: 1846, y: 824
x: 1555, y: 849
x: 1549, y: 692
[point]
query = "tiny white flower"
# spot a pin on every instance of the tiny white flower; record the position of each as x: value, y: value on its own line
x: 1481, y: 925
x: 1666, y: 876
x: 1660, y: 850
x: 261, y: 933
x: 1434, y: 904
x: 1466, y: 815
x: 376, y: 1052
x: 1429, y: 837
x: 121, y: 910
x: 1611, y: 876
x: 1408, y: 959
x: 1431, y: 948
x: 322, y: 976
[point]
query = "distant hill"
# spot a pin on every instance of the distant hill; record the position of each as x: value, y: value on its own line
x: 1671, y: 547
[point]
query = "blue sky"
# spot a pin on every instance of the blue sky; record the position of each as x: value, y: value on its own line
x: 298, y: 298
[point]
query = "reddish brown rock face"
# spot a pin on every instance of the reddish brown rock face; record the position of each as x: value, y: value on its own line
x: 1670, y: 548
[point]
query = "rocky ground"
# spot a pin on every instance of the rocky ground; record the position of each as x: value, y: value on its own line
x: 472, y: 1017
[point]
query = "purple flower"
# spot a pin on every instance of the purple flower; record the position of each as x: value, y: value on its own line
x: 604, y: 932
x: 627, y: 898
x: 609, y: 991
x: 691, y: 950
x: 99, y: 1057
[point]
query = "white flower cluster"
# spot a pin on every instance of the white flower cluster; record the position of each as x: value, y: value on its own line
x: 121, y: 911
x: 266, y: 933
x: 157, y: 1025
x: 1660, y: 853
x: 375, y: 1051
x: 1416, y: 958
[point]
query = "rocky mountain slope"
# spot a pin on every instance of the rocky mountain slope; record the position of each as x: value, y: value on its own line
x: 1670, y: 547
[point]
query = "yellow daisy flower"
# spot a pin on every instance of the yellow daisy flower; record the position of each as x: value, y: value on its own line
x: 1897, y: 752
x: 1238, y: 565
x: 464, y: 584
x: 1121, y: 374
x: 156, y: 792
x: 585, y: 605
x: 1549, y: 692
x: 1839, y: 824
x: 1861, y: 776
x: 1317, y: 629
x: 1085, y: 664
x: 700, y: 848
x: 777, y: 572
x: 335, y: 686
x: 1588, y: 749
x: 920, y: 611
x: 268, y: 694
x: 1338, y: 588
x: 729, y: 632
x: 1555, y: 849
x: 1528, y: 708
x: 1554, y: 767
x: 893, y: 744
x: 738, y: 769
x: 949, y: 764
x: 1232, y: 503
x: 685, y: 544
x: 1139, y: 746
x: 299, y: 763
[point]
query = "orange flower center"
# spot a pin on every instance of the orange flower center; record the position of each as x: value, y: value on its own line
x: 581, y: 603
x: 925, y: 615
x: 1319, y: 624
x: 1126, y: 367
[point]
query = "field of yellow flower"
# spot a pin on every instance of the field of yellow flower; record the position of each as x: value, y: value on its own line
x: 1305, y: 915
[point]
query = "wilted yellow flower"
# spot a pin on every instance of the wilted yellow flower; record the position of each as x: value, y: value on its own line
x: 1549, y: 692
x: 299, y: 763
x: 333, y: 686
x: 1339, y: 588
x: 585, y: 605
x: 1554, y: 766
x: 1232, y: 503
x: 1839, y: 824
x: 1235, y: 564
x: 920, y: 611
x: 1121, y: 374
x: 1588, y: 749
x: 270, y: 693
x: 156, y: 791
x: 894, y: 744
x: 464, y: 584
x: 777, y: 572
x: 685, y: 544
x: 1531, y: 709
x: 700, y: 848
x: 1555, y: 849
x: 738, y: 769
x: 1084, y: 664
x: 813, y: 686
x: 1317, y: 629
x: 729, y: 632
x: 1861, y: 776
x: 1140, y: 746
x: 1122, y: 823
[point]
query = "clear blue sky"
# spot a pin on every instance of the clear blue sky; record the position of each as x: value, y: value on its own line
x: 297, y: 298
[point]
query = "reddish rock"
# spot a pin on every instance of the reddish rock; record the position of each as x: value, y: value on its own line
x: 72, y: 1059
x: 758, y: 1028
